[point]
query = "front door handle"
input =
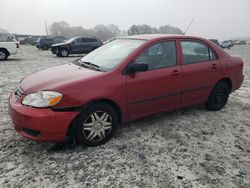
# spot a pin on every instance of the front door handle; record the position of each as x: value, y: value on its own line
x: 175, y: 73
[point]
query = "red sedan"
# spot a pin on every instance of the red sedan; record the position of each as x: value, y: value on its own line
x: 125, y: 79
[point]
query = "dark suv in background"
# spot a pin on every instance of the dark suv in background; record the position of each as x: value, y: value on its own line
x: 46, y: 42
x: 76, y: 45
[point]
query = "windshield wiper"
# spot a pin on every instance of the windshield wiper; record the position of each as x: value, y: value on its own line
x: 89, y: 64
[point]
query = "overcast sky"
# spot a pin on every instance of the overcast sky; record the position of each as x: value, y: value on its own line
x: 220, y: 19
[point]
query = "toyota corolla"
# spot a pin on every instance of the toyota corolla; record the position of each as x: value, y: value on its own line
x: 123, y: 80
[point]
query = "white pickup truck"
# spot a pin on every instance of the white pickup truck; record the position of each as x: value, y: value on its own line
x: 9, y: 47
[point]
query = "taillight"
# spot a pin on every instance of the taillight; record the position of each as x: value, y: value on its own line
x: 17, y: 45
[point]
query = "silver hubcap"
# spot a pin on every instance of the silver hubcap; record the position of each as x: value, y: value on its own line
x: 97, y: 126
x: 2, y: 55
x: 64, y: 53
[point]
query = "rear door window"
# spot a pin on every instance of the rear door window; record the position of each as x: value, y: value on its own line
x: 92, y: 40
x: 86, y: 40
x: 196, y: 52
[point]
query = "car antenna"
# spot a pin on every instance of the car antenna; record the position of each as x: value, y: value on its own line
x: 188, y: 26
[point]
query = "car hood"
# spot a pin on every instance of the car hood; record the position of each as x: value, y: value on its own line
x: 56, y: 77
x: 60, y: 44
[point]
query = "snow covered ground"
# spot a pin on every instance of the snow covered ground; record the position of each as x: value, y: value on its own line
x: 191, y: 147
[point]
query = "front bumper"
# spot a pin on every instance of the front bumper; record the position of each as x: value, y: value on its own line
x: 39, y: 124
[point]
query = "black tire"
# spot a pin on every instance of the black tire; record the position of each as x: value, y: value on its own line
x: 93, y: 49
x: 218, y: 97
x: 55, y: 51
x: 46, y: 47
x: 3, y: 55
x: 97, y: 131
x: 63, y: 52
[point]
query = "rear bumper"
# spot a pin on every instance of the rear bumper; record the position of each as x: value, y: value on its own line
x: 40, y: 124
x: 15, y: 52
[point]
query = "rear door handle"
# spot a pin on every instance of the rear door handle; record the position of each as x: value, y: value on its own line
x: 175, y: 73
x: 214, y: 66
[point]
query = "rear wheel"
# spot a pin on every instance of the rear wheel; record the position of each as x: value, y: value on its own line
x: 3, y: 55
x: 64, y: 53
x: 96, y: 125
x: 46, y: 47
x: 218, y: 97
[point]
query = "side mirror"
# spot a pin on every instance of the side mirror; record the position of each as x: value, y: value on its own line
x: 137, y: 67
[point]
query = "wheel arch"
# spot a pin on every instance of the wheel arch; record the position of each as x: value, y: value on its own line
x: 70, y: 134
x: 228, y: 81
x: 110, y: 102
x: 4, y: 49
x: 64, y: 47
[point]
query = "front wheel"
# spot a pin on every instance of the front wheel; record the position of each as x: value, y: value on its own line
x: 218, y: 97
x: 96, y: 125
x: 64, y: 53
x: 3, y: 55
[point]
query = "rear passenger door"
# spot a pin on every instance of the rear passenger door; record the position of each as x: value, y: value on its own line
x: 200, y: 66
x: 86, y: 45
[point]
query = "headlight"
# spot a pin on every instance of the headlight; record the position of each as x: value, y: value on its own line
x: 42, y: 99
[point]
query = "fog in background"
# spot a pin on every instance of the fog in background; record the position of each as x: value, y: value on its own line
x: 222, y: 19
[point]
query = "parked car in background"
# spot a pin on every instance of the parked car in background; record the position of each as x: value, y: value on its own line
x: 76, y: 45
x: 31, y: 40
x: 242, y: 42
x: 46, y: 42
x: 232, y: 43
x: 123, y: 80
x: 226, y: 44
x: 8, y: 46
x: 215, y: 41
x: 8, y: 38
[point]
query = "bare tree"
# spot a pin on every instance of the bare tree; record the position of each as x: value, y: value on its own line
x: 59, y: 28
x: 101, y: 31
x: 113, y: 30
x: 167, y: 29
x: 146, y: 29
x: 141, y: 29
x: 107, y: 32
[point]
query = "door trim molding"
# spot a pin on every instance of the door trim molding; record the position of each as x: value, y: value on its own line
x: 168, y: 95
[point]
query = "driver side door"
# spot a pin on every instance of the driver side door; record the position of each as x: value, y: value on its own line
x: 77, y: 45
x: 158, y: 88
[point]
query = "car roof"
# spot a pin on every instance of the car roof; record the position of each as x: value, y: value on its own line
x: 91, y: 38
x: 159, y: 36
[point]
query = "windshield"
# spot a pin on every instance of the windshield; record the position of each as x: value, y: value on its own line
x: 71, y: 40
x: 112, y: 53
